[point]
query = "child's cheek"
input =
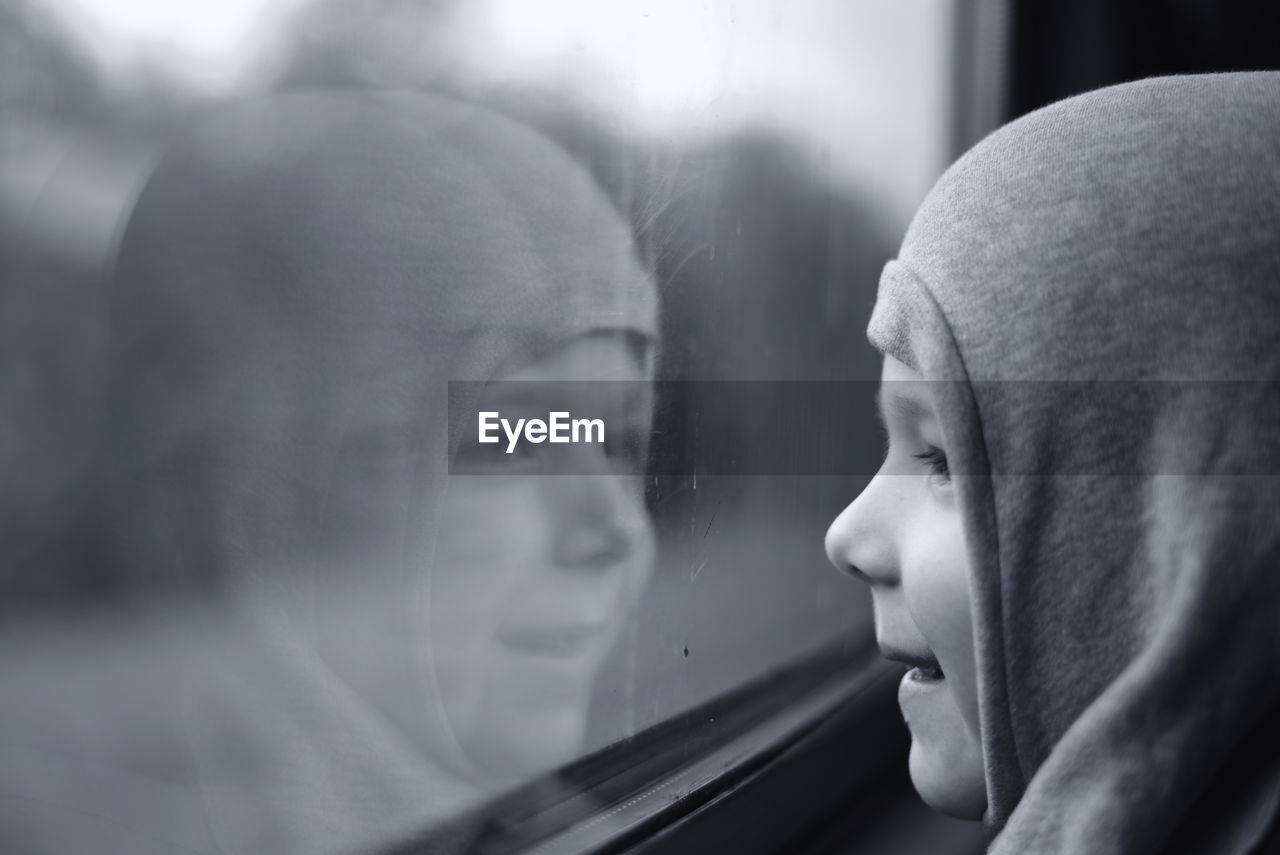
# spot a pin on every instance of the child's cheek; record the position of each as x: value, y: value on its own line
x: 937, y: 596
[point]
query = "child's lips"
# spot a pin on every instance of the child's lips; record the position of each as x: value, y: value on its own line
x: 920, y: 690
x: 924, y: 676
x: 558, y: 641
x: 922, y: 666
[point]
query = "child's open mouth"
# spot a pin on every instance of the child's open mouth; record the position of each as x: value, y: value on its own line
x: 926, y: 673
x: 921, y: 666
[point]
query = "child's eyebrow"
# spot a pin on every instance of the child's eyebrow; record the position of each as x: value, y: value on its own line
x: 901, y: 407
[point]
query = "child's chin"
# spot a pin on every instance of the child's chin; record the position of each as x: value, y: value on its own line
x: 947, y: 787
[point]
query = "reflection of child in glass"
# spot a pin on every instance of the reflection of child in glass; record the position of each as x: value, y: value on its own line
x: 382, y: 642
x: 1089, y: 597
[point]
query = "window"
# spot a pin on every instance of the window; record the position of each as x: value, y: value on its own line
x: 764, y: 157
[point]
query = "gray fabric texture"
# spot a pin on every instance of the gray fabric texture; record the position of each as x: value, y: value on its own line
x: 1122, y: 534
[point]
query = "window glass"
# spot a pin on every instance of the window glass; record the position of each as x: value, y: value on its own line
x: 229, y: 437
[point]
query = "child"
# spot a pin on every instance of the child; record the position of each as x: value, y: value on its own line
x: 1074, y: 539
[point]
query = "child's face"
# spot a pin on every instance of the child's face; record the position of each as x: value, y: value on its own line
x: 536, y: 572
x: 903, y: 536
x: 531, y: 576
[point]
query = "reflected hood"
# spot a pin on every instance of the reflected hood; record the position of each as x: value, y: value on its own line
x: 301, y: 278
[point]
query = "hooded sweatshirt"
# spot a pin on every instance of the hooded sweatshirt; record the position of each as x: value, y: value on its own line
x: 1092, y: 292
x: 300, y: 280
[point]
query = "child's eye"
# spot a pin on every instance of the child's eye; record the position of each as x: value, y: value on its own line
x: 936, y: 460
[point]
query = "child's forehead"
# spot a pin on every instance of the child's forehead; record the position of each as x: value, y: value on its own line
x: 894, y: 370
x: 903, y: 395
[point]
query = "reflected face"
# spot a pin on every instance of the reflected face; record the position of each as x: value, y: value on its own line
x: 535, y: 572
x: 903, y: 536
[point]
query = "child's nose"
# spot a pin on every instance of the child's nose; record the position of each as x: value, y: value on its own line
x: 860, y: 540
x: 600, y: 524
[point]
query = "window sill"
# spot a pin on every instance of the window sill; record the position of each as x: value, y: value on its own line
x: 750, y: 771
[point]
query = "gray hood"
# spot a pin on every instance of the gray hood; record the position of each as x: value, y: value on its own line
x: 1096, y: 285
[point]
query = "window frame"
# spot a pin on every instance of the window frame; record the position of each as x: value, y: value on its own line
x: 721, y: 772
